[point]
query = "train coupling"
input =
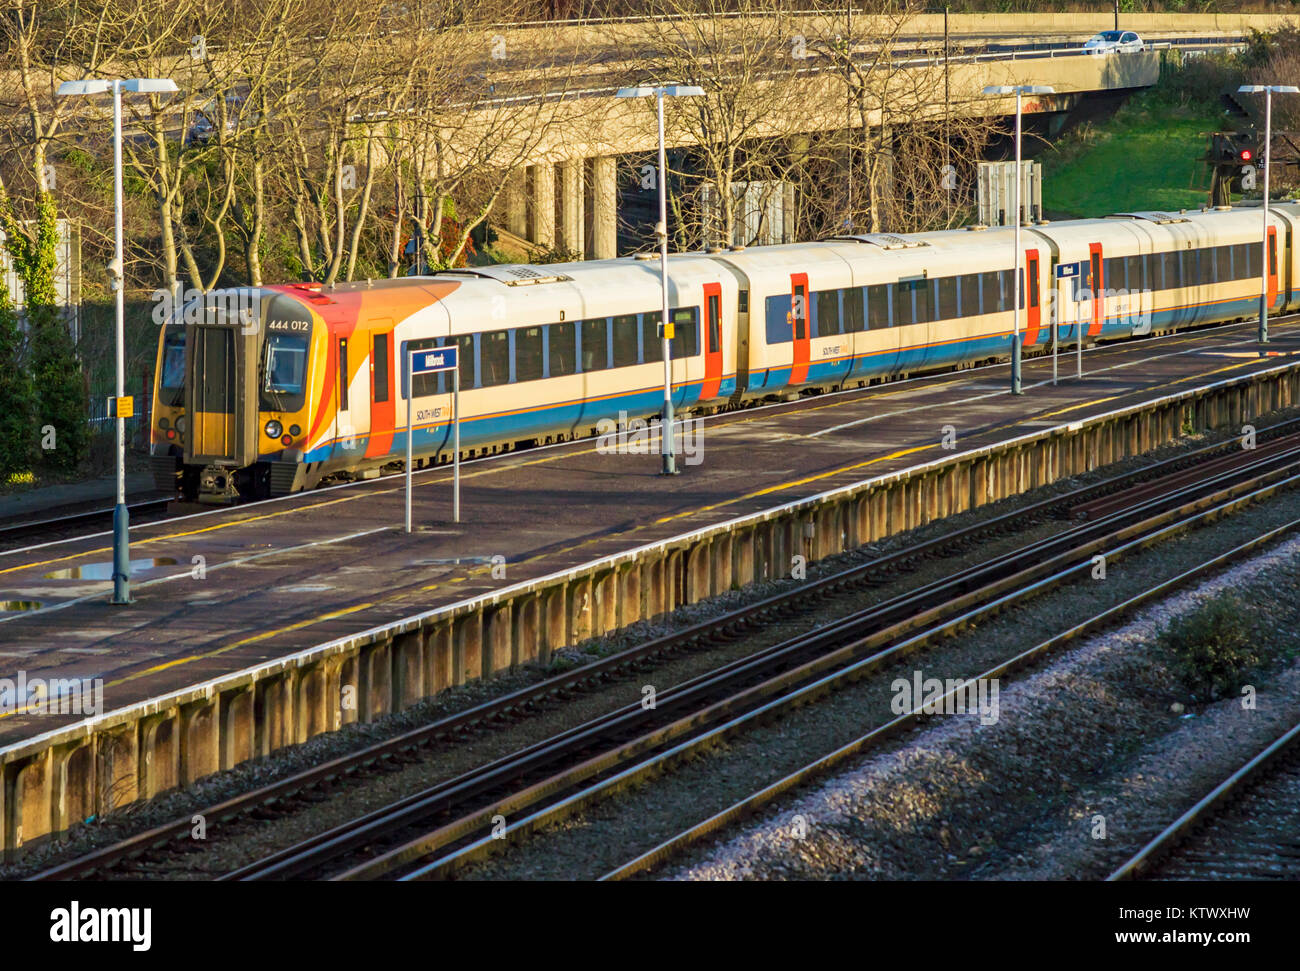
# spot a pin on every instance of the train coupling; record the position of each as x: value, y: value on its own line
x: 217, y: 486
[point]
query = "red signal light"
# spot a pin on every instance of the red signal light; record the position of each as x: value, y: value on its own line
x: 1246, y: 155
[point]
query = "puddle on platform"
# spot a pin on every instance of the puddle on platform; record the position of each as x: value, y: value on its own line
x: 13, y: 606
x: 305, y: 588
x: 104, y: 571
x: 454, y: 561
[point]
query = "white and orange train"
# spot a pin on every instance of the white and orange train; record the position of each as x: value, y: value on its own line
x: 306, y: 382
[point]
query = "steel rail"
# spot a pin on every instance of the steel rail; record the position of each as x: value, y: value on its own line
x: 745, y: 807
x: 1026, y: 582
x: 1214, y: 801
x: 695, y: 745
x: 726, y: 627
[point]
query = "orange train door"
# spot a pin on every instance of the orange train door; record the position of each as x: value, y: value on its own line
x: 1033, y: 313
x: 799, y: 327
x: 1096, y: 283
x: 1272, y: 267
x: 712, y: 341
x: 383, y: 406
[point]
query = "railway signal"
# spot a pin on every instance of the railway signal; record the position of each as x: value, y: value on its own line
x: 1267, y: 90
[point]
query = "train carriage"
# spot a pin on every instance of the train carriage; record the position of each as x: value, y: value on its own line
x: 264, y: 391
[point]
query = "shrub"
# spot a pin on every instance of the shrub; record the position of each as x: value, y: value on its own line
x: 1210, y: 647
x: 18, y: 431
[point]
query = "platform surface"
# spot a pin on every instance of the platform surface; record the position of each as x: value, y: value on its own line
x: 224, y: 590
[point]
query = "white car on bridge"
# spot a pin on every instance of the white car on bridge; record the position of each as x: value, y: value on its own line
x: 1115, y: 42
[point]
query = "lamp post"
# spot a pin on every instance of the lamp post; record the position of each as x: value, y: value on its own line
x: 665, y: 327
x: 1267, y: 149
x: 1018, y: 90
x: 121, y: 521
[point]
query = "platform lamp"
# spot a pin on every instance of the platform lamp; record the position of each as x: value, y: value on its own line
x: 1267, y: 90
x: 661, y: 230
x: 121, y: 522
x: 1018, y: 90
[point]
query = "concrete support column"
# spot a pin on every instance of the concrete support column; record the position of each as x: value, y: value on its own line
x: 602, y: 242
x: 542, y: 209
x: 439, y: 656
x: 571, y: 228
x: 517, y: 205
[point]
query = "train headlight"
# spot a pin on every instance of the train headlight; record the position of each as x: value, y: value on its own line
x: 180, y: 425
x: 274, y: 429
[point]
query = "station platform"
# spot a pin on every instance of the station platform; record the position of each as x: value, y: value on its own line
x: 254, y: 592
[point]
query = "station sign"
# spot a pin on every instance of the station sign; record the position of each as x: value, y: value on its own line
x: 434, y: 360
x: 1066, y: 271
x: 121, y: 407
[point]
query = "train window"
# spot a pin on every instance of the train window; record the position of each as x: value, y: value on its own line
x: 1006, y: 290
x: 969, y: 285
x: 466, y: 363
x: 1272, y: 254
x: 854, y: 320
x: 425, y: 384
x: 991, y: 293
x: 343, y: 374
x: 173, y: 365
x: 528, y: 353
x: 652, y: 343
x: 286, y: 371
x: 877, y: 306
x: 742, y: 302
x: 1033, y: 282
x: 1223, y: 263
x: 948, y: 309
x: 494, y: 358
x: 778, y: 319
x: 1248, y: 267
x: 1115, y: 273
x: 1173, y: 271
x: 595, y: 344
x: 923, y: 291
x: 799, y: 311
x: 561, y: 349
x: 625, y: 338
x: 826, y: 323
x: 1136, y: 273
x: 686, y: 337
x: 715, y: 324
x: 378, y: 367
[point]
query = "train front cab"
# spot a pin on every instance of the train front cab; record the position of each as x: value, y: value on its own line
x: 233, y: 396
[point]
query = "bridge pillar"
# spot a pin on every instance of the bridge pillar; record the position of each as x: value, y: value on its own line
x: 542, y: 211
x: 602, y: 242
x: 517, y: 205
x: 571, y: 234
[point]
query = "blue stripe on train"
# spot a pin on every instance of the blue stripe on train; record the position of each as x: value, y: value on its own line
x: 550, y: 419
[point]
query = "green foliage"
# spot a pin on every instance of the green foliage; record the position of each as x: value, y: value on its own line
x: 1210, y: 647
x: 55, y: 372
x: 18, y: 429
x: 1149, y: 155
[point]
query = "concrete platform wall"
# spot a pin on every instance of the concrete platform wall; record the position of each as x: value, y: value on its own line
x: 57, y: 780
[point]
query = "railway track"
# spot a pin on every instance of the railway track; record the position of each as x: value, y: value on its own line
x: 538, y: 782
x: 1246, y: 828
x: 66, y: 524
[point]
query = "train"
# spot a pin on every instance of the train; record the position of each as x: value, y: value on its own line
x: 261, y: 392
